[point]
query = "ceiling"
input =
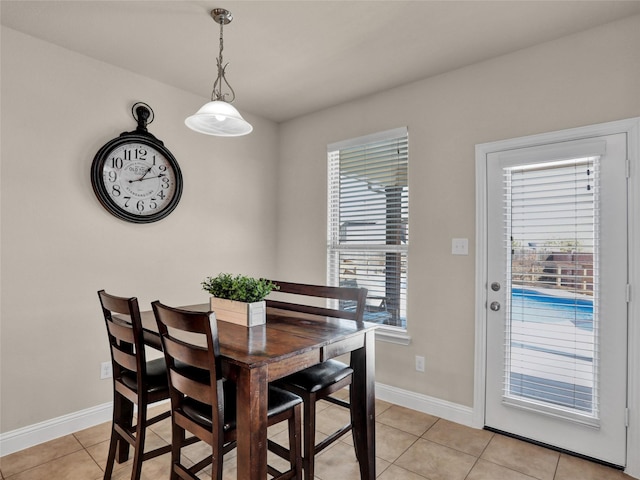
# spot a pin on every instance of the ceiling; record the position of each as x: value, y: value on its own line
x: 289, y: 58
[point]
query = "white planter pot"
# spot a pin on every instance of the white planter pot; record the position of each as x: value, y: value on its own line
x: 240, y: 313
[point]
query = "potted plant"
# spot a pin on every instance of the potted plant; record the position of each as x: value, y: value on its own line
x: 239, y: 299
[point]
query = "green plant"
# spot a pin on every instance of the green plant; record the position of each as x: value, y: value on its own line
x: 239, y: 287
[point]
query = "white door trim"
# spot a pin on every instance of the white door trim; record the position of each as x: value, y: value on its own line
x: 632, y: 128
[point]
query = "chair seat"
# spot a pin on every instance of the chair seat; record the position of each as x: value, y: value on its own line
x: 156, y: 377
x: 279, y: 401
x: 318, y: 376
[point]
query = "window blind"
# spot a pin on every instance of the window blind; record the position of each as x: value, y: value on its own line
x: 368, y: 221
x: 551, y: 232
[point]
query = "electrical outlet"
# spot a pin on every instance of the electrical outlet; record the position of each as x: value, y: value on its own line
x: 105, y: 370
x: 419, y: 363
x: 460, y: 246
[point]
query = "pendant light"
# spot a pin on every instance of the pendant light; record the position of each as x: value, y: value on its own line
x: 218, y: 117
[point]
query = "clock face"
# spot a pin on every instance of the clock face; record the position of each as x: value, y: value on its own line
x: 137, y: 180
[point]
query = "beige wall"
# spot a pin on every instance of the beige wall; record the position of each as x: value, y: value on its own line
x: 59, y: 246
x: 254, y: 205
x: 579, y: 80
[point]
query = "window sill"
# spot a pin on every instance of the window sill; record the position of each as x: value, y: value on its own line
x: 399, y: 337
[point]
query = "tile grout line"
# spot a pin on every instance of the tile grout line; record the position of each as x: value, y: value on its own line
x: 40, y: 465
x: 479, y: 456
x: 555, y: 471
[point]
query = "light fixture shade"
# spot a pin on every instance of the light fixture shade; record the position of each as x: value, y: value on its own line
x: 218, y: 118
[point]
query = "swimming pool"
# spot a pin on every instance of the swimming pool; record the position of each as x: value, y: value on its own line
x: 551, y: 348
x: 542, y: 307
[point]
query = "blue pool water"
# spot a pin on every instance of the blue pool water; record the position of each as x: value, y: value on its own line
x: 534, y: 306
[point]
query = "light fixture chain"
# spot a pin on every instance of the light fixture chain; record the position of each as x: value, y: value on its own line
x: 218, y: 84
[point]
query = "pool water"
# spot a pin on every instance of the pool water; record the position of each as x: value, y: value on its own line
x: 535, y: 306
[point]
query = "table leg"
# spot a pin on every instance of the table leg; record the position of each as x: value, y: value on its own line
x: 252, y: 399
x: 363, y: 406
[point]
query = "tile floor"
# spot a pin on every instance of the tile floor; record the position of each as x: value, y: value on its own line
x: 409, y: 445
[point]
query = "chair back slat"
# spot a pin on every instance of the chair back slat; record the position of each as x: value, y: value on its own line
x: 188, y: 321
x: 124, y: 344
x: 187, y: 353
x: 121, y: 305
x: 354, y: 296
x: 126, y: 360
x: 312, y: 309
x: 191, y: 388
x: 122, y: 332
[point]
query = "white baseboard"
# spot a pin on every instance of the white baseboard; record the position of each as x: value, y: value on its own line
x: 425, y: 404
x: 35, y: 434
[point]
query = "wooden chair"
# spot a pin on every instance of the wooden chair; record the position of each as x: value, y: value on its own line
x: 135, y: 381
x: 320, y: 381
x: 204, y: 403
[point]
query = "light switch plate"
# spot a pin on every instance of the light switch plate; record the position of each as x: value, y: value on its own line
x: 460, y: 246
x: 419, y: 363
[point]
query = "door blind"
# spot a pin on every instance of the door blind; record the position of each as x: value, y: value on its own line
x: 551, y: 230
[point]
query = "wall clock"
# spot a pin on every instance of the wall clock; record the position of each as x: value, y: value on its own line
x: 135, y: 177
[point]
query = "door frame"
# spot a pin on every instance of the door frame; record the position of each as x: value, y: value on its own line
x: 631, y: 127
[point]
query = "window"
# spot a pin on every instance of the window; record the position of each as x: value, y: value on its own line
x: 551, y: 225
x: 368, y: 221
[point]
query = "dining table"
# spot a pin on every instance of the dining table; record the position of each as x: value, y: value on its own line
x: 289, y: 342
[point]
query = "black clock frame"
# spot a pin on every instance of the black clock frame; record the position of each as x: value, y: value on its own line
x: 140, y: 135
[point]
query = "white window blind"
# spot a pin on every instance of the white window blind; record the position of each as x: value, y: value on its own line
x: 368, y: 221
x: 551, y: 230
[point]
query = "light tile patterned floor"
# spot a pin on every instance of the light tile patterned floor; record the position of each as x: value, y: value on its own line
x: 409, y: 446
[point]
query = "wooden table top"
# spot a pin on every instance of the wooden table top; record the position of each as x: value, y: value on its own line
x: 286, y: 334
